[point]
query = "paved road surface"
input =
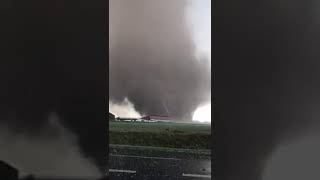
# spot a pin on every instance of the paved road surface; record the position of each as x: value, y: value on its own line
x: 123, y: 167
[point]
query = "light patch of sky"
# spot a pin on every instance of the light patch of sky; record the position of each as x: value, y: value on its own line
x: 198, y: 14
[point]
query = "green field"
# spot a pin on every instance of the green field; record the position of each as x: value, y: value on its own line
x: 160, y: 151
x: 161, y: 134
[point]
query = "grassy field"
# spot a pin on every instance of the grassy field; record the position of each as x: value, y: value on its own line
x: 162, y: 134
x: 160, y: 152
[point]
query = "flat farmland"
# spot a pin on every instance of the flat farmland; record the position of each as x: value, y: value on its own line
x: 161, y: 134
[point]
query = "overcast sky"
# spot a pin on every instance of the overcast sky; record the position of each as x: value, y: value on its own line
x: 199, y: 18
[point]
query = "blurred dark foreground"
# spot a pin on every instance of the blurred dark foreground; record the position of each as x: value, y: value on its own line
x: 8, y: 172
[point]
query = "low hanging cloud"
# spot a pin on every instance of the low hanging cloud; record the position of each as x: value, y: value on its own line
x: 56, y: 156
x: 152, y: 58
x: 53, y: 59
x: 267, y: 90
x: 294, y: 160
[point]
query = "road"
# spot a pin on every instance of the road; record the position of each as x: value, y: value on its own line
x: 123, y: 167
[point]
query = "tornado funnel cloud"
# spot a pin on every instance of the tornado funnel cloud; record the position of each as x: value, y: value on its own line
x: 152, y: 58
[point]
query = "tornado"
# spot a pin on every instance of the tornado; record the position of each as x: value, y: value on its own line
x: 53, y: 61
x: 266, y: 88
x: 152, y: 59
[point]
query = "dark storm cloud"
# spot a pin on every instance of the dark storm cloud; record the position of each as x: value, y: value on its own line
x: 152, y: 58
x: 53, y: 60
x: 266, y: 81
x: 57, y: 155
